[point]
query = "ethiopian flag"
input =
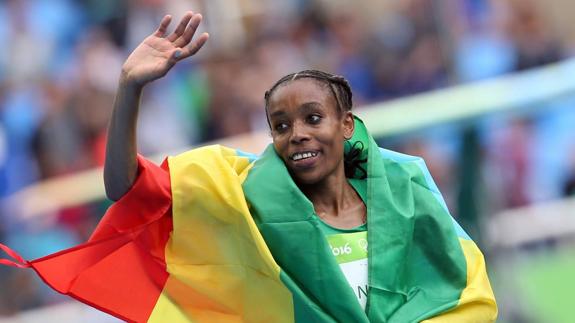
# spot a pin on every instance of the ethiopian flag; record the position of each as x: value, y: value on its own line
x: 217, y: 235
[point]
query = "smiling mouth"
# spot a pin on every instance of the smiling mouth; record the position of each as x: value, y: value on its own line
x: 303, y: 155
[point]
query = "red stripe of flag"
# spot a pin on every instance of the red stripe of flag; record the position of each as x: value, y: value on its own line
x: 121, y: 270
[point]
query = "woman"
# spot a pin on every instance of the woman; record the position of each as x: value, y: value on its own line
x: 304, y: 118
x: 300, y: 233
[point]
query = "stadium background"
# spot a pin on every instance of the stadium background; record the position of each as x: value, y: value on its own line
x: 483, y: 90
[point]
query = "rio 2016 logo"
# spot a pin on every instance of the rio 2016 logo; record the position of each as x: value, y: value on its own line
x: 343, y: 250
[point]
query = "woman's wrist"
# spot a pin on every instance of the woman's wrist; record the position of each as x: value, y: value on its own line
x: 128, y: 82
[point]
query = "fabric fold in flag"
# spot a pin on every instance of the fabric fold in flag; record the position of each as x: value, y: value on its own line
x: 16, y: 261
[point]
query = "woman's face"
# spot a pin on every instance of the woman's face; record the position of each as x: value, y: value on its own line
x: 307, y: 129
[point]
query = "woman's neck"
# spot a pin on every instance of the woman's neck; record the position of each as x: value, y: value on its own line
x: 336, y: 202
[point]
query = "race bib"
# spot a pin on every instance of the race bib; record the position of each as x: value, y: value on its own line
x: 350, y: 251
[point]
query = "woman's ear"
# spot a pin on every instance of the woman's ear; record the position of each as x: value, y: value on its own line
x: 348, y: 125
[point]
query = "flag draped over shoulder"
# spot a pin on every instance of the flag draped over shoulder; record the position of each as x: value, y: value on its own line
x: 216, y: 235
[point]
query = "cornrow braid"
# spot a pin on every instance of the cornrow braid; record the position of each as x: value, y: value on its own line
x: 338, y: 86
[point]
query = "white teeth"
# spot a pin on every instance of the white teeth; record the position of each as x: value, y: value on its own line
x: 298, y: 156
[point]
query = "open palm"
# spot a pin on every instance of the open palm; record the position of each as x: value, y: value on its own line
x: 156, y: 55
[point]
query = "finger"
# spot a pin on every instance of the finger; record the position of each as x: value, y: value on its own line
x: 194, y: 47
x: 163, y: 28
x: 190, y: 31
x: 181, y: 26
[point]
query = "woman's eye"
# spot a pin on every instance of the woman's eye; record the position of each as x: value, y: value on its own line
x: 314, y: 119
x: 281, y: 127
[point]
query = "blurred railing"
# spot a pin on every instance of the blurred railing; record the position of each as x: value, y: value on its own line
x: 391, y: 118
x: 530, y: 224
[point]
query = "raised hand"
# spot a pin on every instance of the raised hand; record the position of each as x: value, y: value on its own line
x: 152, y: 59
x: 156, y: 55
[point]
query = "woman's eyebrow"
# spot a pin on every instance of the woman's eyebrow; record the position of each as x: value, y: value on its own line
x: 278, y: 113
x: 313, y: 106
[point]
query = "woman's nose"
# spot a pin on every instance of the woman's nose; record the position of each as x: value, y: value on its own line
x: 299, y: 133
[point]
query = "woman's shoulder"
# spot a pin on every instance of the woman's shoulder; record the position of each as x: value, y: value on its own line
x: 396, y: 160
x: 402, y: 166
x: 214, y: 151
x: 398, y: 157
x: 213, y: 157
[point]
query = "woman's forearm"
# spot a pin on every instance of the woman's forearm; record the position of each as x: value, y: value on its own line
x: 121, y: 166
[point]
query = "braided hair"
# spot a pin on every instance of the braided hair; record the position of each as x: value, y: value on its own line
x: 341, y: 91
x: 338, y: 86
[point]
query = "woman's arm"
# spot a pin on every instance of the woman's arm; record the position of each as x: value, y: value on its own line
x: 151, y: 60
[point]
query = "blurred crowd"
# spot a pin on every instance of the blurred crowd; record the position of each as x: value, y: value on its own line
x: 62, y: 59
